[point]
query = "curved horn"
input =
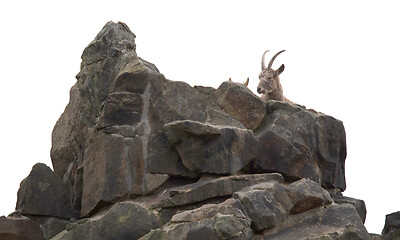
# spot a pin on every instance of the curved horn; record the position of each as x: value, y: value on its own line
x: 263, y: 67
x: 273, y: 58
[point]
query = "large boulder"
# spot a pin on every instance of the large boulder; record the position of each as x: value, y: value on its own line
x: 332, y: 222
x: 306, y: 195
x: 357, y: 203
x: 266, y: 204
x: 43, y: 193
x: 208, y: 148
x: 302, y: 143
x: 241, y: 103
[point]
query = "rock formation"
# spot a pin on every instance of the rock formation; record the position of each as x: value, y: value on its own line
x: 138, y: 156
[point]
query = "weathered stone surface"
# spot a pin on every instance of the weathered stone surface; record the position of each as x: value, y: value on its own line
x: 50, y: 226
x: 241, y: 103
x: 121, y: 108
x: 102, y: 61
x: 333, y: 222
x: 375, y: 236
x: 170, y: 101
x: 113, y: 168
x: 73, y: 179
x: 357, y: 203
x: 301, y: 143
x: 23, y: 228
x: 212, y: 149
x: 331, y: 151
x: 43, y: 193
x: 124, y: 221
x: 69, y: 135
x: 220, y: 226
x: 203, y: 190
x: 266, y: 204
x: 392, y: 227
x: 306, y: 195
x: 229, y: 207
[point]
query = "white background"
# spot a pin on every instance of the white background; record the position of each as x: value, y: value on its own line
x: 342, y: 58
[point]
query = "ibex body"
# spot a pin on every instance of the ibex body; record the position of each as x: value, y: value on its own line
x: 270, y: 86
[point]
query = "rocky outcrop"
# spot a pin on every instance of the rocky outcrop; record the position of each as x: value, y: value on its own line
x: 138, y: 156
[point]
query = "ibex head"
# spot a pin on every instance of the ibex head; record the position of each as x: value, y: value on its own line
x: 269, y: 79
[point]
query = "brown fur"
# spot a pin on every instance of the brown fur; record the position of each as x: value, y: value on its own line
x: 270, y: 86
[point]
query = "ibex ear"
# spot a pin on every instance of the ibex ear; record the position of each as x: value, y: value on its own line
x: 280, y: 70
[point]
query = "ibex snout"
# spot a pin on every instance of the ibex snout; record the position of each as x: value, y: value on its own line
x: 259, y: 90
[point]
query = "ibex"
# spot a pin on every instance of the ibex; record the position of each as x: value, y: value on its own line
x: 270, y: 86
x: 245, y: 83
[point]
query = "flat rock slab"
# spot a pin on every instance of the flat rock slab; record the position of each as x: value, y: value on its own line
x: 209, y: 148
x: 207, y: 189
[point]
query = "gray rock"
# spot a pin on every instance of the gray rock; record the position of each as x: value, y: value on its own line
x: 357, y: 203
x: 12, y: 228
x: 123, y: 221
x: 392, y: 227
x: 207, y: 189
x: 69, y: 135
x: 207, y: 148
x: 306, y: 195
x: 50, y: 226
x: 375, y: 236
x: 301, y: 143
x: 114, y: 168
x: 266, y: 204
x: 229, y: 207
x: 73, y: 179
x: 43, y: 193
x: 219, y: 226
x: 331, y: 222
x: 241, y: 103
